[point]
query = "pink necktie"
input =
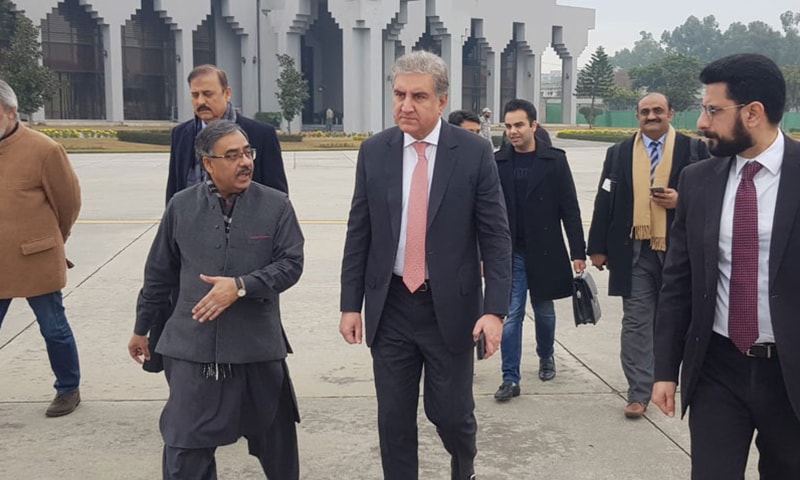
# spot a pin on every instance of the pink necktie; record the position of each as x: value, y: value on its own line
x: 414, y: 267
x: 743, y: 300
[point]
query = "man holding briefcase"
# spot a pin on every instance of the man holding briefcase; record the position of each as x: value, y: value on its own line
x: 540, y: 196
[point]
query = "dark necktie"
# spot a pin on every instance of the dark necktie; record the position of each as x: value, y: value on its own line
x: 414, y: 266
x: 655, y: 158
x: 743, y: 300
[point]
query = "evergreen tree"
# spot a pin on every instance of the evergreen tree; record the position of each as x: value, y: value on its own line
x: 20, y: 56
x: 595, y: 81
x: 292, y: 89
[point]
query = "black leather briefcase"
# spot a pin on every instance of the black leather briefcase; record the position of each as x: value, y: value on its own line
x: 585, y: 305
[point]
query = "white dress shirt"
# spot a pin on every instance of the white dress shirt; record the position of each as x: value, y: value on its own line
x: 766, y: 182
x: 409, y: 163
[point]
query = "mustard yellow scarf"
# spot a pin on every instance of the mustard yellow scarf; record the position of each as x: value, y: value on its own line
x: 650, y: 219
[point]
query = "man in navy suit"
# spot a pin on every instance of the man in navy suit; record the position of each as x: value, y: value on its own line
x: 211, y: 101
x: 728, y: 310
x: 427, y: 208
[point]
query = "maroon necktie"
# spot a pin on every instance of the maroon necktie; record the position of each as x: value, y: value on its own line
x: 414, y: 266
x: 743, y: 300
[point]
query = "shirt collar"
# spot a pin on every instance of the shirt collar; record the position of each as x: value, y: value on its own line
x: 432, y: 138
x: 648, y: 141
x: 771, y: 158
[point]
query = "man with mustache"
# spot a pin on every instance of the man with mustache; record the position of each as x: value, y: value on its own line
x: 231, y: 247
x: 728, y: 312
x: 540, y: 198
x: 211, y: 101
x: 633, y: 210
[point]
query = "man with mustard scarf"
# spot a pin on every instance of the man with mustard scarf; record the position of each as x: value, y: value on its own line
x: 632, y: 214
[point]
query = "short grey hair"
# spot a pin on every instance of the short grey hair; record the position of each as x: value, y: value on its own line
x: 424, y: 62
x: 7, y: 96
x: 205, y: 141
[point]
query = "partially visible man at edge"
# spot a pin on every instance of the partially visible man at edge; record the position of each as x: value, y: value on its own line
x: 231, y: 247
x: 728, y: 311
x: 39, y: 203
x: 211, y: 101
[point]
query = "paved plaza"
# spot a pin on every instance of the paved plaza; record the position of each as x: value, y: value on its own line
x: 570, y: 428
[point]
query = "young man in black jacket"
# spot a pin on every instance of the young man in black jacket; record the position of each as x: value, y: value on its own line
x: 540, y: 197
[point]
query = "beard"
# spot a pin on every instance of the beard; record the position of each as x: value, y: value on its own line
x: 728, y: 147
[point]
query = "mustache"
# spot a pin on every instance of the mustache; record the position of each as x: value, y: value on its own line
x: 244, y: 171
x: 708, y: 134
x: 203, y: 108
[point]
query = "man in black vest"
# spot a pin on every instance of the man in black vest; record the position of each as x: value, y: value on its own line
x: 223, y: 345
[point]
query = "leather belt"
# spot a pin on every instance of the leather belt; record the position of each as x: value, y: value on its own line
x: 762, y: 350
x: 425, y: 287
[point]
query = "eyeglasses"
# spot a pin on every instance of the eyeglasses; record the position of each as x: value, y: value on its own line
x: 235, y: 156
x: 710, y: 110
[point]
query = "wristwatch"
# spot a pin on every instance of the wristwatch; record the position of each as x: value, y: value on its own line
x: 240, y: 290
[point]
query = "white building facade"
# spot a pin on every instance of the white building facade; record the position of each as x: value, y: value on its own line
x: 123, y: 60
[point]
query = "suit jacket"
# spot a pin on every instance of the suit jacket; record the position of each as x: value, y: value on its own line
x: 265, y: 248
x: 466, y: 219
x: 610, y: 231
x: 39, y: 202
x: 550, y: 199
x: 688, y: 297
x: 268, y: 165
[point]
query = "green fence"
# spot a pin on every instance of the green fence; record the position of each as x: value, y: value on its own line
x: 627, y: 119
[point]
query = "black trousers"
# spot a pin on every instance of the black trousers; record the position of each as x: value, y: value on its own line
x: 256, y: 402
x: 407, y: 343
x: 735, y: 396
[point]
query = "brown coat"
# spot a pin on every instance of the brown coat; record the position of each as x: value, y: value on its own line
x: 39, y: 202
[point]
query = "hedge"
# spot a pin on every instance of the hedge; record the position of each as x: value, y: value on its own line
x: 599, y: 135
x: 294, y: 137
x: 152, y: 137
x: 270, y: 118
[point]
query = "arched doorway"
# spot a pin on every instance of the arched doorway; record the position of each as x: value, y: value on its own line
x: 148, y: 66
x: 72, y: 47
x: 508, y: 73
x: 321, y: 64
x: 204, y: 43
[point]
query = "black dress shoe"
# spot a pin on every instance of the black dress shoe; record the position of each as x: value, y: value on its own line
x: 547, y: 369
x: 506, y: 391
x: 64, y: 404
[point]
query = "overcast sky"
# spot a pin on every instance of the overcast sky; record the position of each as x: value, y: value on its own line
x: 618, y: 22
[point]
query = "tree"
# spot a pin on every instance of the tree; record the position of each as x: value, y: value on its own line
x: 292, y: 89
x: 595, y: 81
x: 645, y: 51
x: 695, y: 39
x: 20, y: 54
x: 619, y: 98
x: 676, y: 77
x: 792, y: 76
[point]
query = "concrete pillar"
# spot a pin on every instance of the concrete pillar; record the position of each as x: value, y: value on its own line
x: 389, y: 47
x: 112, y: 43
x: 184, y: 56
x: 569, y: 73
x: 249, y: 75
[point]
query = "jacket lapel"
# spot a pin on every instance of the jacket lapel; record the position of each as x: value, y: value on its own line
x: 786, y: 207
x: 393, y: 166
x: 446, y: 159
x: 714, y: 195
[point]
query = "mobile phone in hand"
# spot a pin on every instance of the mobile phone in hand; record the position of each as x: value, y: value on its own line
x: 656, y: 189
x: 480, y: 346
